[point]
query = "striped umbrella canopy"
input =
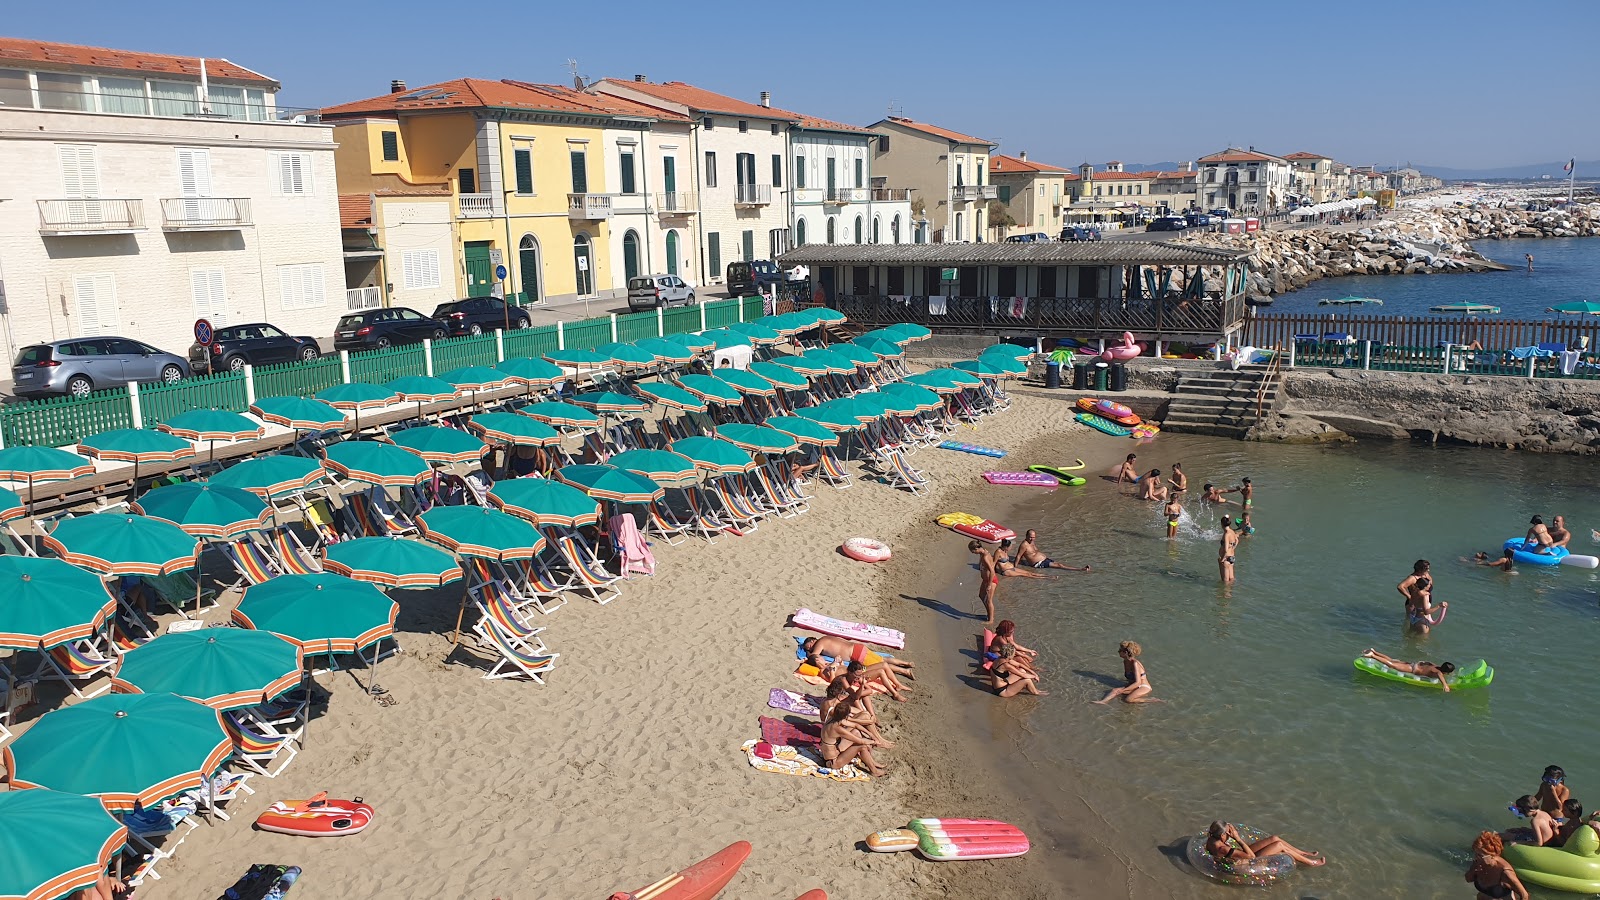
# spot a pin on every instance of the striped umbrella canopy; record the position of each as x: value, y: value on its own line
x: 626, y: 355
x: 833, y: 416
x: 693, y: 341
x: 834, y: 362
x: 32, y: 464
x: 271, y: 476
x: 11, y: 506
x: 211, y: 425
x: 422, y: 388
x: 823, y: 314
x: 123, y: 544
x: 357, y: 395
x: 223, y: 668
x: 555, y: 412
x: 724, y: 339
x: 439, y: 445
x: 991, y: 367
x: 714, y: 454
x: 122, y: 748
x: 756, y: 438
x: 867, y: 406
x: 666, y: 351
x: 510, y: 428
x: 392, y: 562
x: 375, y: 462
x: 746, y: 382
x: 319, y: 613
x: 933, y: 383
x: 756, y: 332
x: 918, y: 399
x: 669, y: 395
x: 298, y: 413
x: 781, y: 376
x: 802, y: 363
x: 544, y: 501
x: 911, y: 330
x: 577, y: 358
x: 53, y: 843
x: 806, y: 431
x: 610, y: 401
x: 884, y: 349
x: 472, y: 379
x: 709, y: 389
x: 206, y: 510
x: 663, y: 467
x: 604, y: 482
x: 135, y: 445
x: 861, y: 356
x: 947, y: 375
x: 49, y: 602
x: 531, y: 372
x: 1012, y: 352
x: 789, y: 323
x: 481, y: 531
x: 884, y: 334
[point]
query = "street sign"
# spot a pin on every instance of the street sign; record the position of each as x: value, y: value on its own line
x: 496, y: 256
x: 202, y: 331
x: 949, y: 275
x: 583, y: 264
x: 500, y: 273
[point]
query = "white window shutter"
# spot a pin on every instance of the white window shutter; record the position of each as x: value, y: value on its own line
x: 194, y: 172
x: 209, y: 289
x: 288, y: 284
x: 314, y: 285
x: 430, y: 270
x: 97, y: 304
x: 80, y: 177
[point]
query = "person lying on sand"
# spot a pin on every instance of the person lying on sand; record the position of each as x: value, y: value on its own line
x: 843, y: 743
x: 1421, y: 668
x: 841, y: 650
x: 1224, y: 842
x: 1004, y: 565
x: 1138, y: 689
x: 1029, y: 554
x: 865, y: 679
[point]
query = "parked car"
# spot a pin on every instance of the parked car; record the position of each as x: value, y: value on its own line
x: 256, y: 344
x: 475, y: 315
x: 1080, y: 233
x: 82, y: 365
x: 1221, y: 212
x: 651, y: 291
x: 1167, y: 223
x: 376, y: 329
x: 1198, y: 220
x: 752, y: 277
x: 1033, y: 237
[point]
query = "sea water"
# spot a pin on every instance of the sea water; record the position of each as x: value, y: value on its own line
x: 1265, y: 721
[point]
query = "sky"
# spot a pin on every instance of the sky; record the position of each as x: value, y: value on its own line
x: 1464, y: 84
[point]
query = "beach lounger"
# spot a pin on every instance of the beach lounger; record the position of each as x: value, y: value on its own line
x: 597, y: 450
x: 494, y: 603
x: 283, y: 717
x: 740, y: 512
x: 526, y: 585
x: 13, y: 544
x: 833, y: 471
x: 155, y: 834
x: 516, y: 658
x: 664, y: 523
x: 589, y: 576
x: 395, y: 520
x: 295, y: 557
x: 253, y: 563
x: 901, y: 474
x: 317, y: 513
x: 702, y: 521
x: 258, y: 750
x: 77, y: 661
x: 781, y: 502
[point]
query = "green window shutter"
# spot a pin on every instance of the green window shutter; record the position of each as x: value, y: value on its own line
x: 714, y: 253
x: 800, y: 173
x: 580, y: 172
x: 627, y: 172
x: 749, y: 241
x: 777, y: 170
x: 469, y: 181
x: 391, y: 146
x: 1005, y: 193
x: 524, y: 162
x: 861, y: 173
x: 669, y: 172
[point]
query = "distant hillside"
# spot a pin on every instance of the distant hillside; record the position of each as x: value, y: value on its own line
x: 1586, y: 169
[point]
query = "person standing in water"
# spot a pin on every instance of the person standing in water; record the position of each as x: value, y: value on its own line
x: 1174, y: 513
x: 1225, y: 552
x: 1245, y: 490
x: 1179, y: 481
x: 1529, y: 258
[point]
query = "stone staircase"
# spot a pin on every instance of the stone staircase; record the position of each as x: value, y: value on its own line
x: 1222, y: 402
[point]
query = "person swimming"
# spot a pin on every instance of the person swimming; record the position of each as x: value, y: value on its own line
x: 1174, y: 513
x: 1490, y: 875
x: 1542, y: 823
x: 1553, y: 791
x: 1210, y: 493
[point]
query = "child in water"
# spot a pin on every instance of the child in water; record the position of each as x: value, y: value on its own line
x: 1174, y: 513
x: 1213, y: 494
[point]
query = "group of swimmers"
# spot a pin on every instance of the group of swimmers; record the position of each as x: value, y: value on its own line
x: 1541, y: 538
x: 1023, y: 560
x: 1150, y: 486
x: 1553, y: 815
x: 854, y: 673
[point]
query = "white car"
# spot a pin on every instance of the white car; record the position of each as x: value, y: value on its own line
x: 652, y: 291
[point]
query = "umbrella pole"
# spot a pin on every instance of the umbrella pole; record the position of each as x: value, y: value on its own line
x: 460, y: 614
x: 135, y: 494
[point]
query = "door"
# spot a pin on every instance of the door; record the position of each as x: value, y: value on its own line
x: 101, y: 364
x: 528, y: 268
x: 582, y: 265
x: 672, y: 240
x: 748, y: 240
x: 274, y: 346
x: 138, y: 363
x: 480, y: 274
x: 411, y: 326
x: 669, y: 182
x: 630, y: 255
x: 833, y: 177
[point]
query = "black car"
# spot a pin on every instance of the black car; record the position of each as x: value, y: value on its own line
x: 754, y: 277
x: 376, y: 329
x: 475, y: 315
x: 1198, y: 220
x: 256, y: 344
x: 1167, y: 223
x: 1075, y: 233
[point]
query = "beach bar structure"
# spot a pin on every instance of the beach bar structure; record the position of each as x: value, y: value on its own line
x: 1086, y: 290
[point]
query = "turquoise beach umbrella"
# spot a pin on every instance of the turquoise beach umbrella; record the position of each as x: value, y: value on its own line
x: 803, y: 364
x: 576, y: 357
x: 746, y: 382
x: 709, y: 389
x: 833, y: 416
x: 605, y: 482
x: 531, y: 372
x: 204, y: 509
x: 957, y: 377
x: 319, y: 613
x: 357, y: 395
x: 223, y: 668
x: 392, y: 562
x: 555, y: 412
x: 11, y: 506
x: 910, y: 330
x: 54, y: 843
x: 693, y: 341
x: 124, y: 544
x: 610, y: 401
x: 298, y: 413
x: 666, y: 351
x: 806, y: 431
x: 714, y: 454
x: 860, y: 356
x: 920, y: 399
x: 663, y: 467
x: 211, y: 425
x: 867, y: 407
x: 49, y: 602
x: 544, y: 501
x: 788, y: 323
x: 669, y: 395
x: 756, y: 332
x: 33, y: 464
x: 834, y: 362
x: 135, y: 445
x: 1013, y: 352
x: 991, y: 367
x: 271, y: 476
x: 510, y: 428
x: 780, y: 376
x: 482, y: 532
x: 375, y: 462
x: 883, y: 349
x: 1576, y: 308
x: 823, y: 314
x: 439, y: 445
x: 756, y: 438
x: 627, y: 355
x: 724, y: 338
x: 421, y: 389
x: 884, y: 334
x: 472, y: 379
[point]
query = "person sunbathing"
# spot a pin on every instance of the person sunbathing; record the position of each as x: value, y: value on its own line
x: 867, y: 680
x: 841, y: 649
x: 1011, y: 675
x: 1224, y: 843
x: 1004, y: 565
x: 106, y: 888
x: 857, y: 709
x: 843, y: 743
x: 1421, y: 668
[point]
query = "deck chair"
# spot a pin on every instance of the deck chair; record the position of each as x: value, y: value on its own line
x: 832, y: 470
x: 702, y: 520
x: 155, y: 834
x: 901, y: 474
x: 395, y: 519
x: 296, y: 559
x: 516, y: 657
x: 179, y: 589
x: 783, y: 477
x: 965, y: 411
x: 13, y: 544
x: 595, y: 443
x: 664, y: 523
x: 319, y: 517
x: 213, y: 798
x: 494, y: 603
x: 257, y: 750
x: 283, y: 717
x: 526, y: 585
x: 80, y: 660
x: 741, y: 512
x: 780, y: 502
x: 253, y: 563
x: 588, y: 575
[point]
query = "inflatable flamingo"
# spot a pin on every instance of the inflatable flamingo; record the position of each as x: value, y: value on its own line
x: 1126, y: 350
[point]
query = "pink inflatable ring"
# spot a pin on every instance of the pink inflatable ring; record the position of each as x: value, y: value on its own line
x: 865, y: 549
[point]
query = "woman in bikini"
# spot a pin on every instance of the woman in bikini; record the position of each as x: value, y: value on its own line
x: 1011, y: 675
x: 1004, y: 566
x: 858, y: 709
x: 1421, y: 668
x: 843, y: 743
x: 1138, y: 689
x: 1225, y: 843
x: 1490, y: 874
x: 1419, y: 606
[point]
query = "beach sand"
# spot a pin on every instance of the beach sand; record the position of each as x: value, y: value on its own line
x: 626, y: 766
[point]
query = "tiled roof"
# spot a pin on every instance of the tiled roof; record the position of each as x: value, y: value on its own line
x: 479, y: 93
x: 702, y: 100
x: 936, y: 131
x: 1091, y: 254
x: 1001, y: 164
x: 1304, y: 155
x: 1234, y: 154
x: 1178, y: 174
x: 815, y: 123
x: 355, y: 211
x: 50, y: 55
x: 1124, y: 176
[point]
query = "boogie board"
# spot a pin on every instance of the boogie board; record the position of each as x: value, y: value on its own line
x: 971, y: 448
x: 1025, y: 479
x: 701, y: 881
x: 1101, y: 424
x: 1472, y: 675
x: 317, y: 817
x: 1061, y: 475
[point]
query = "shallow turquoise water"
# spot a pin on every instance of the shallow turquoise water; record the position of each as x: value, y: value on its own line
x: 1266, y: 721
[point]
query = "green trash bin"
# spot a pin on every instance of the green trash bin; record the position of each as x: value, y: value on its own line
x: 1102, y: 378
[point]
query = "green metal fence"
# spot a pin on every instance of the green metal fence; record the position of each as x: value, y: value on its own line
x: 754, y: 308
x: 633, y: 326
x: 531, y: 342
x: 60, y: 421
x: 379, y: 366
x: 721, y: 313
x: 298, y: 379
x: 587, y: 334
x: 465, y: 351
x: 160, y: 402
x: 680, y: 319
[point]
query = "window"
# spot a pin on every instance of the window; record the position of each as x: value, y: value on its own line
x: 774, y: 127
x: 173, y: 98
x: 777, y: 170
x: 883, y: 143
x: 744, y: 168
x: 58, y: 91
x: 625, y: 163
x: 876, y: 223
x: 777, y: 242
x: 894, y: 229
x: 800, y: 232
x: 800, y: 174
x: 207, y: 290
x: 118, y: 95
x: 300, y: 286
x: 226, y: 101
x: 744, y: 126
x: 522, y: 160
x: 80, y: 171
x: 831, y: 232
x: 391, y: 146
x: 1004, y: 193
x: 858, y: 229
x: 961, y: 172
x: 861, y: 173
x: 468, y: 181
x: 711, y: 169
x: 294, y: 173
x: 709, y: 123
x: 419, y: 269
x: 1211, y: 175
x: 958, y: 227
x: 1041, y: 192
x: 981, y: 168
x: 97, y: 304
x: 748, y: 242
x: 1250, y: 197
x: 580, y: 169
x: 714, y: 254
x: 16, y: 91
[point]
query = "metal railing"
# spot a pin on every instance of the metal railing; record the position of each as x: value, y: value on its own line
x: 752, y: 194
x: 677, y: 202
x: 888, y: 195
x: 1058, y: 315
x: 204, y: 213
x: 90, y: 216
x: 974, y: 192
x: 847, y: 195
x: 363, y: 297
x: 476, y: 206
x: 587, y: 207
x: 1267, y: 329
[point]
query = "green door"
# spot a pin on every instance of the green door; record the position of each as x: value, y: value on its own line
x: 672, y: 245
x: 630, y: 255
x: 480, y: 274
x: 528, y: 268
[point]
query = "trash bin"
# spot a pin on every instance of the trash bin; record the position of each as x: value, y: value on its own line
x: 1100, y: 377
x: 1119, y: 377
x: 1052, y: 374
x: 1080, y: 376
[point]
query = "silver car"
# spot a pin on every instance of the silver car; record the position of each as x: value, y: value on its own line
x: 651, y: 291
x: 82, y: 365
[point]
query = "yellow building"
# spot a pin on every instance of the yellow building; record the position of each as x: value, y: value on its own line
x: 528, y: 172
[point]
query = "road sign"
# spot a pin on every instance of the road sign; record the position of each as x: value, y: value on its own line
x: 583, y: 264
x: 202, y: 331
x: 496, y: 256
x: 500, y: 273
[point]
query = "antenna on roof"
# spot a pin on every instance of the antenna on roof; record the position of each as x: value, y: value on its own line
x: 577, y: 80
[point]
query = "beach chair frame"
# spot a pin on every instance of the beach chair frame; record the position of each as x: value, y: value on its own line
x: 514, y: 657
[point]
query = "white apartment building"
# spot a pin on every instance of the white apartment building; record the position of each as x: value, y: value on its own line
x: 1313, y: 179
x: 838, y: 199
x: 948, y: 171
x: 740, y: 151
x: 141, y: 191
x: 656, y: 203
x: 1244, y: 181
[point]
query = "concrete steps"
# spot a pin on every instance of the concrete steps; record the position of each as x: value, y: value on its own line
x: 1221, y: 402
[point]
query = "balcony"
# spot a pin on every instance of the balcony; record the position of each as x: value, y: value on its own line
x: 974, y: 192
x: 476, y: 206
x: 588, y: 207
x: 90, y: 216
x: 890, y: 195
x: 363, y: 297
x: 205, y: 214
x: 839, y: 195
x: 677, y: 203
x: 753, y: 195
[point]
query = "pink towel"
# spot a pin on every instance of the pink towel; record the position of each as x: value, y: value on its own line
x: 636, y: 555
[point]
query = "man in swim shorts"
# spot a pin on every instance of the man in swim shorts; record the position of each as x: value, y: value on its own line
x: 1245, y: 490
x: 1225, y: 552
x: 1174, y: 513
x: 988, y: 579
x: 1179, y: 481
x: 1004, y: 565
x: 1538, y: 534
x: 1128, y: 473
x: 1559, y: 535
x: 841, y: 650
x: 1029, y: 554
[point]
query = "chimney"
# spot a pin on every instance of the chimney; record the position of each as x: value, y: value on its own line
x: 640, y: 78
x: 397, y: 86
x: 766, y: 98
x: 1023, y: 156
x: 1188, y: 167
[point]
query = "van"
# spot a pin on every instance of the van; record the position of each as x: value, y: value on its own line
x: 753, y: 277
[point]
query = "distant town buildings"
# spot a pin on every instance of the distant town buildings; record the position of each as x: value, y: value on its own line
x: 947, y: 170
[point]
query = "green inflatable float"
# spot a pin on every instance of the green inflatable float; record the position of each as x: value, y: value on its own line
x: 1062, y: 474
x: 1472, y: 675
x: 1574, y: 867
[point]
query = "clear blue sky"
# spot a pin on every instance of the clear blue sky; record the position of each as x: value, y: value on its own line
x: 1464, y: 84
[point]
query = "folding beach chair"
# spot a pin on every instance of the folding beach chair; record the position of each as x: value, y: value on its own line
x: 179, y: 590
x: 317, y: 512
x: 155, y: 833
x: 588, y: 575
x: 253, y: 563
x: 595, y: 447
x: 832, y: 470
x: 702, y: 520
x: 964, y: 409
x: 516, y: 658
x: 282, y: 717
x: 494, y: 603
x: 395, y: 519
x: 76, y: 661
x: 295, y: 557
x: 775, y: 498
x: 13, y: 544
x: 901, y: 474
x: 261, y: 752
x: 741, y: 513
x: 664, y: 523
x: 526, y: 585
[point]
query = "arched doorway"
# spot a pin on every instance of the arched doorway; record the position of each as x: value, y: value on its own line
x: 583, y: 264
x: 894, y: 229
x: 877, y: 228
x: 672, y: 252
x: 630, y: 255
x: 830, y: 229
x: 858, y: 229
x: 799, y: 232
x: 528, y: 268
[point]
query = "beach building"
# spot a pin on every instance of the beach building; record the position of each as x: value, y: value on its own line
x: 837, y: 197
x: 1314, y: 180
x: 739, y: 152
x: 1175, y: 191
x: 1245, y: 181
x: 1033, y: 192
x: 144, y: 190
x: 1109, y: 195
x: 948, y: 171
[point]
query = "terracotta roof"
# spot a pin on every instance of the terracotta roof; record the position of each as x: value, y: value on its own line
x: 702, y: 100
x: 1001, y: 164
x: 355, y: 211
x: 479, y: 93
x: 817, y: 124
x: 1178, y: 174
x: 1124, y: 176
x: 936, y: 131
x: 1304, y: 155
x: 1234, y: 154
x: 50, y: 55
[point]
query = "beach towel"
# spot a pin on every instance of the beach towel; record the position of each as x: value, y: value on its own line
x: 796, y: 703
x: 777, y: 731
x: 937, y: 305
x: 790, y: 761
x: 636, y: 555
x: 1019, y: 307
